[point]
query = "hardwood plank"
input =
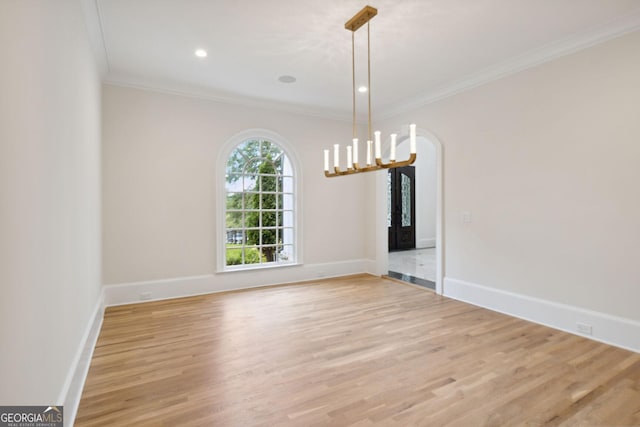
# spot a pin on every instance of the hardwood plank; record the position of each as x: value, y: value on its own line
x: 355, y: 351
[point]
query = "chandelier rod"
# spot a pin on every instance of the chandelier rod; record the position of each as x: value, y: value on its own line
x: 353, y: 77
x: 369, y: 76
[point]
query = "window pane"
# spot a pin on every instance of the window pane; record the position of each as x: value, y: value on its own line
x: 287, y: 219
x: 287, y: 201
x: 252, y: 201
x: 287, y: 236
x: 285, y: 254
x: 234, y: 219
x: 268, y: 236
x: 252, y: 255
x: 389, y: 199
x: 249, y: 183
x: 234, y: 237
x: 234, y: 255
x: 287, y: 185
x: 405, y: 183
x: 268, y: 201
x: 234, y: 201
x: 233, y: 183
x: 269, y: 219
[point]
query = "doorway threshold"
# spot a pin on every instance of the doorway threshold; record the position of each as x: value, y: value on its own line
x: 413, y: 280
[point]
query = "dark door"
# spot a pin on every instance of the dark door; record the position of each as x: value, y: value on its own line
x: 402, y: 208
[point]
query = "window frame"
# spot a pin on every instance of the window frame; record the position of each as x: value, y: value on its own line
x: 221, y: 199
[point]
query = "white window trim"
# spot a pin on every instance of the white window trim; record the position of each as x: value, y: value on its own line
x: 221, y: 193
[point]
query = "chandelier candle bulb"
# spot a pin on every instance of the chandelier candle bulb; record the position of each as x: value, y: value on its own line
x: 355, y: 151
x: 326, y: 160
x: 336, y: 155
x: 412, y: 138
x: 378, y: 149
x: 392, y: 153
x: 368, y: 153
x: 349, y: 159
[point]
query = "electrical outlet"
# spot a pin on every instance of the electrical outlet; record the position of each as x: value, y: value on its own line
x: 585, y: 329
x: 145, y: 296
x: 466, y: 217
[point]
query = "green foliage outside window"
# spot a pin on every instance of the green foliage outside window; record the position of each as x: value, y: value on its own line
x: 251, y: 255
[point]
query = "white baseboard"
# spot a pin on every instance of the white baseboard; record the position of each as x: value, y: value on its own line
x: 426, y: 243
x: 613, y: 330
x: 153, y: 290
x: 74, y: 383
x: 372, y: 267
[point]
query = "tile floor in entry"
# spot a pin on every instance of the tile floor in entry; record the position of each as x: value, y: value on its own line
x: 419, y: 263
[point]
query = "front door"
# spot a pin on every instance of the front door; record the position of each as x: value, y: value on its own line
x: 401, y: 208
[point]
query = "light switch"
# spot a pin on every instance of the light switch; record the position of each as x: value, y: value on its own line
x: 466, y: 217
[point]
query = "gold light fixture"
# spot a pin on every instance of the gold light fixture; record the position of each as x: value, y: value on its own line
x: 353, y: 166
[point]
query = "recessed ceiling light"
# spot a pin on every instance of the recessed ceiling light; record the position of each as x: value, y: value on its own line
x: 201, y: 53
x: 362, y: 89
x: 286, y: 79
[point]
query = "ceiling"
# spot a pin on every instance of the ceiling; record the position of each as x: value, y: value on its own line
x: 421, y: 50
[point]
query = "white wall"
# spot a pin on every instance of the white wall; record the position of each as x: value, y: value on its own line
x: 159, y: 162
x: 546, y: 161
x: 49, y: 195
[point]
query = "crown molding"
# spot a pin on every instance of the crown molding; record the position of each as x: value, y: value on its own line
x: 178, y: 89
x: 572, y: 44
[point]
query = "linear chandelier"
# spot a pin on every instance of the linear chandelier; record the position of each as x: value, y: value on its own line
x: 353, y: 166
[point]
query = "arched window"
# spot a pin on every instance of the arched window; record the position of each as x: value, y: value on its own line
x: 260, y: 206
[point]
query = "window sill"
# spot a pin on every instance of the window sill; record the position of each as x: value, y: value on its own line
x: 250, y: 267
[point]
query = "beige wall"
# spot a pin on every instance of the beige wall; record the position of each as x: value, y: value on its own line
x: 49, y: 196
x: 547, y: 163
x: 159, y: 161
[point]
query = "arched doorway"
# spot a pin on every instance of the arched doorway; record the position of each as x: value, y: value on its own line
x: 428, y: 211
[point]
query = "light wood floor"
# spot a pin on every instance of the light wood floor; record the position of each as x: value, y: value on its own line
x: 358, y: 351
